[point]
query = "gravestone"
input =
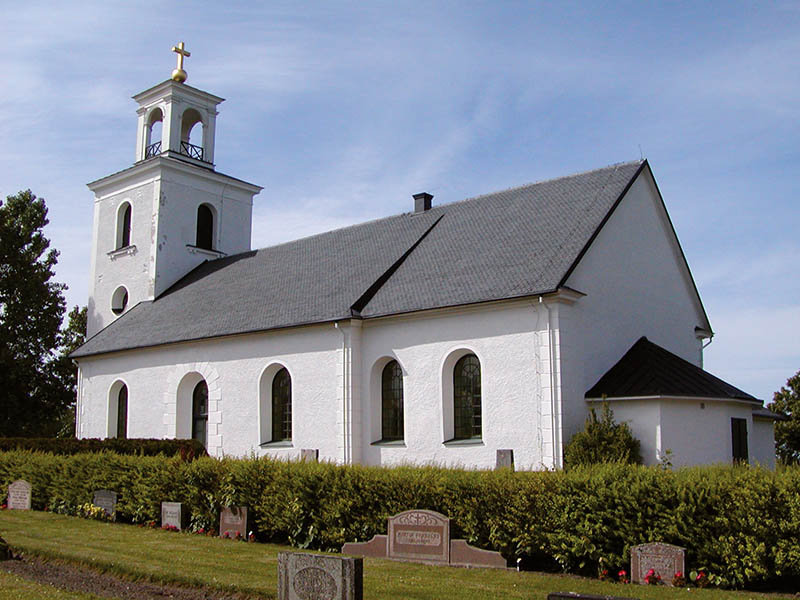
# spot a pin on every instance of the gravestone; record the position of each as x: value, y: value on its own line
x: 172, y: 515
x: 420, y: 535
x: 233, y: 520
x: 19, y: 495
x: 309, y: 454
x: 424, y: 536
x: 107, y: 500
x: 303, y: 576
x: 505, y: 459
x: 664, y: 559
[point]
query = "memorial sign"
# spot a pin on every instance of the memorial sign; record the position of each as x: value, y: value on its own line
x: 309, y: 454
x: 107, y: 500
x: 505, y: 459
x: 664, y: 559
x: 303, y: 576
x: 19, y: 495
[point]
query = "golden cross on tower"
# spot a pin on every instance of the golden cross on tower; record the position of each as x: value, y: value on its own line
x: 179, y: 74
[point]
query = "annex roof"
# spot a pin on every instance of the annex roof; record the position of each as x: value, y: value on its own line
x: 647, y: 369
x: 513, y: 243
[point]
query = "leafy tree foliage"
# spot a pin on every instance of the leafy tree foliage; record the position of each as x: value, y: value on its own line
x: 32, y: 394
x: 65, y: 370
x: 602, y: 440
x: 787, y: 433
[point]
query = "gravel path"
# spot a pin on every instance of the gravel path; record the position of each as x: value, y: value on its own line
x: 76, y: 579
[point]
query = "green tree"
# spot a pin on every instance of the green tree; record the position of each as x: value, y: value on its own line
x: 66, y: 371
x: 787, y: 433
x: 31, y: 310
x: 602, y: 440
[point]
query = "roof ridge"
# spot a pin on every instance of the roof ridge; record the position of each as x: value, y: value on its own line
x: 439, y: 206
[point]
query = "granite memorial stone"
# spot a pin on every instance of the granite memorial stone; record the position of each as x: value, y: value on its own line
x: 505, y: 459
x: 309, y: 454
x: 303, y: 576
x: 19, y: 495
x: 107, y: 500
x: 172, y: 515
x: 424, y: 536
x: 664, y: 559
x: 233, y: 522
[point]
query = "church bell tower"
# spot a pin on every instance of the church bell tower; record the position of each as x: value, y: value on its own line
x: 160, y: 218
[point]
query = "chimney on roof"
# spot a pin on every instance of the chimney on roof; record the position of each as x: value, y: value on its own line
x: 422, y: 202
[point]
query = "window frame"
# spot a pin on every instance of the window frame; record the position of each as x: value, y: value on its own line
x: 281, y: 406
x: 392, y: 403
x: 467, y: 400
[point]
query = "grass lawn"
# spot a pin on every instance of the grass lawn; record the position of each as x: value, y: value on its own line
x: 16, y: 588
x: 152, y: 554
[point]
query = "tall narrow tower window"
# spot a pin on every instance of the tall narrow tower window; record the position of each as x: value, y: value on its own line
x: 205, y: 227
x: 124, y: 226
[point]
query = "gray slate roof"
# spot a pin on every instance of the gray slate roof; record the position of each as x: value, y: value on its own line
x: 647, y: 369
x: 514, y: 243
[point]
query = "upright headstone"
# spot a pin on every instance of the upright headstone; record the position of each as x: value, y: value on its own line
x: 303, y: 576
x: 233, y: 522
x: 420, y: 535
x: 505, y: 459
x: 107, y: 500
x: 309, y: 454
x: 664, y: 559
x: 19, y: 495
x: 172, y: 515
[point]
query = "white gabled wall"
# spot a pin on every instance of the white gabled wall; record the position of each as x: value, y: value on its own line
x: 636, y: 284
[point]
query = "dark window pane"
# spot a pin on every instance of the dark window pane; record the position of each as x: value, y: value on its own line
x: 126, y: 227
x: 200, y: 412
x: 392, y: 402
x: 739, y: 440
x: 122, y: 413
x: 282, y: 407
x: 205, y: 227
x: 467, y: 398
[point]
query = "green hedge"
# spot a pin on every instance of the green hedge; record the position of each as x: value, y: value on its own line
x: 740, y: 523
x: 186, y: 449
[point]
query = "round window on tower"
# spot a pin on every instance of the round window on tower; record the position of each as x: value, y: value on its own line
x: 119, y: 300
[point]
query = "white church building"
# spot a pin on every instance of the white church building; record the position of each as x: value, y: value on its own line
x: 442, y: 334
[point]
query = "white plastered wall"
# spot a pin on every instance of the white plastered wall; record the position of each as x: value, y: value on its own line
x: 762, y: 442
x: 333, y: 392
x: 695, y: 431
x: 636, y: 285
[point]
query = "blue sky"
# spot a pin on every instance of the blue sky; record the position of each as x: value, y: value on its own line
x: 342, y: 110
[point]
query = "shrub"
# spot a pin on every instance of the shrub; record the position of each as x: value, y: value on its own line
x: 602, y: 440
x: 186, y: 449
x: 740, y: 523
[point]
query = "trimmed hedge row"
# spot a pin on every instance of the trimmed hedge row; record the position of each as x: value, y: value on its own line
x: 186, y: 449
x: 740, y: 523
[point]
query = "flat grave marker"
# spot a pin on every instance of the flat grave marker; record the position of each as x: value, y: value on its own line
x: 664, y: 559
x: 303, y: 576
x: 107, y: 500
x: 19, y: 495
x: 309, y: 454
x: 505, y: 459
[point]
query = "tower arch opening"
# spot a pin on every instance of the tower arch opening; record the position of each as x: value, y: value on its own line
x: 192, y: 133
x: 153, y: 131
x: 206, y: 218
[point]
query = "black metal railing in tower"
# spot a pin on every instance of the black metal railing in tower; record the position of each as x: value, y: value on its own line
x: 191, y: 150
x: 152, y: 150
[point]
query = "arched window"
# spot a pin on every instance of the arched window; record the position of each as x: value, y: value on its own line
x: 467, y: 398
x: 282, y: 407
x: 122, y: 412
x: 205, y: 227
x: 124, y: 226
x: 119, y: 300
x: 152, y: 145
x: 191, y: 135
x: 392, y: 402
x: 200, y: 413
